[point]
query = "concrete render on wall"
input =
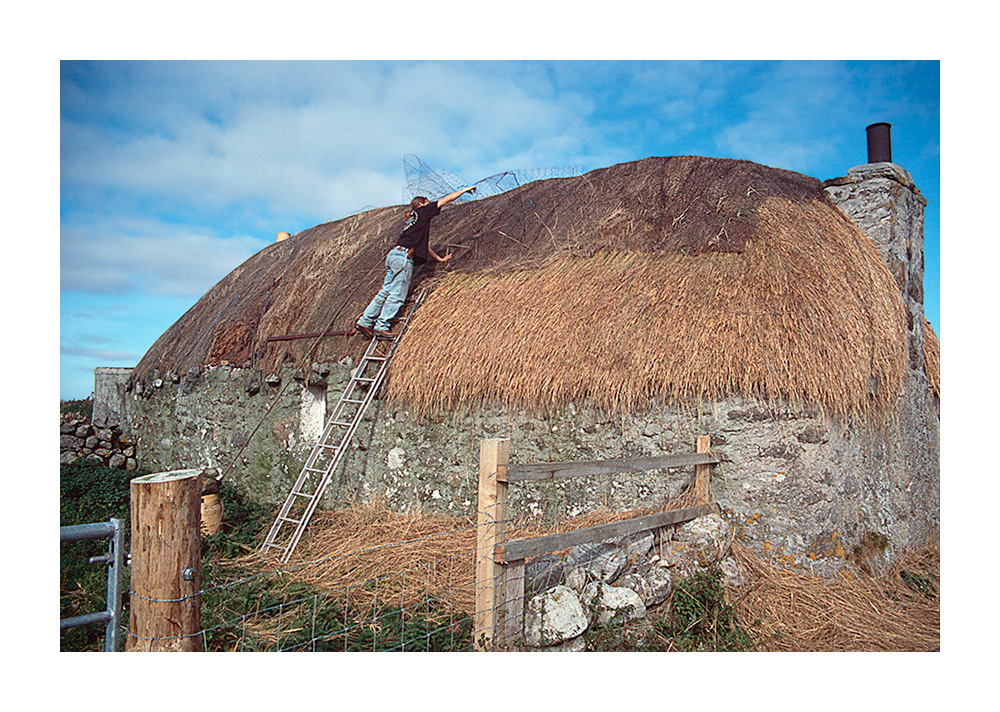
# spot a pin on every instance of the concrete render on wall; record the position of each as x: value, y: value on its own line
x: 802, y: 487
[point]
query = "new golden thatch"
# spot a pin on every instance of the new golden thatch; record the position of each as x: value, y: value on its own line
x: 666, y: 279
x: 777, y: 295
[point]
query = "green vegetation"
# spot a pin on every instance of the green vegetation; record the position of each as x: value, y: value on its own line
x: 83, y: 407
x: 241, y: 610
x: 697, y: 618
x: 266, y: 613
x: 88, y: 492
x: 703, y: 619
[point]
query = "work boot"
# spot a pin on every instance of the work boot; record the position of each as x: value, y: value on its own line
x: 383, y: 334
x: 364, y: 331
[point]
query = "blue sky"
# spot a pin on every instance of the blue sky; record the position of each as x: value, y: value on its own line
x: 172, y: 173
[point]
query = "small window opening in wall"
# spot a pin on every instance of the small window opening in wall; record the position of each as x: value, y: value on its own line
x: 312, y: 415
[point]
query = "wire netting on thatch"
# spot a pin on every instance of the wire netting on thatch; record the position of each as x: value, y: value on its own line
x: 667, y: 277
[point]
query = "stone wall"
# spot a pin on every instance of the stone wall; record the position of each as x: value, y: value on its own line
x: 257, y: 429
x: 801, y: 486
x: 110, y: 387
x: 79, y: 438
x: 885, y: 204
x: 796, y: 484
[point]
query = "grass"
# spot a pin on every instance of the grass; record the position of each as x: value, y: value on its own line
x: 84, y: 407
x: 243, y: 608
x: 88, y: 492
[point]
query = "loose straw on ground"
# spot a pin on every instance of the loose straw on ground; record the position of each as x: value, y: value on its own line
x: 849, y: 612
x: 413, y: 557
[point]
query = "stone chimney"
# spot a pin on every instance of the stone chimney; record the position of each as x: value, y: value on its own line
x: 883, y: 201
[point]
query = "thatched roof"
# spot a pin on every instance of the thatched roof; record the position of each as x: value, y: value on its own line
x: 662, y: 279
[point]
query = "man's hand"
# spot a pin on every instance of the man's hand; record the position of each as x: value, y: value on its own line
x: 437, y: 257
x: 453, y: 196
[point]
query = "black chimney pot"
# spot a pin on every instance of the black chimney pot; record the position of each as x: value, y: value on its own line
x: 879, y: 143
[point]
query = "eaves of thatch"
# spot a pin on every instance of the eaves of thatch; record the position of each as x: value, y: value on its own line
x: 662, y: 280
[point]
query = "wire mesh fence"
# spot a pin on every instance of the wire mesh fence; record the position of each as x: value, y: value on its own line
x: 367, y: 578
x: 344, y: 593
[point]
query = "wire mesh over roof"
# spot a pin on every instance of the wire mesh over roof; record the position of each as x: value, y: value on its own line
x: 664, y: 279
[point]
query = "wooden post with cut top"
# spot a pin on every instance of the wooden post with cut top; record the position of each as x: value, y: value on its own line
x: 165, y: 606
x: 702, y: 472
x: 490, y: 522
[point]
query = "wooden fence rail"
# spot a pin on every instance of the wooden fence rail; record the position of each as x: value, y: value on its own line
x: 500, y: 563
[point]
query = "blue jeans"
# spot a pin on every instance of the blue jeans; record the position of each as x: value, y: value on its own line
x: 385, y: 305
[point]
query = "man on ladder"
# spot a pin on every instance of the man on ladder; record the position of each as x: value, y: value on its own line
x: 411, y: 249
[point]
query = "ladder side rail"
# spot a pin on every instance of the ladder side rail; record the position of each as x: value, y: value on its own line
x: 337, y: 457
x: 309, y: 467
x: 324, y: 482
x: 332, y: 424
x: 376, y: 383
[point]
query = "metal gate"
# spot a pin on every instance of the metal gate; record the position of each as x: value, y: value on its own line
x: 114, y: 531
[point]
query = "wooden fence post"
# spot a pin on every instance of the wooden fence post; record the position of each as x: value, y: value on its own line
x: 491, y: 515
x: 165, y: 608
x: 702, y: 472
x: 512, y: 603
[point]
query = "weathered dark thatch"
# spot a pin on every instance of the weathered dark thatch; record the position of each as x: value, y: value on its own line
x: 667, y: 278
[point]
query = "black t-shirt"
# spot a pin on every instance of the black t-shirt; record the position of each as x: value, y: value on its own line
x: 417, y: 230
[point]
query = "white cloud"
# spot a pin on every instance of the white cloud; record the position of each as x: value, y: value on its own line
x: 102, y: 355
x: 311, y: 137
x: 123, y: 255
x: 785, y: 112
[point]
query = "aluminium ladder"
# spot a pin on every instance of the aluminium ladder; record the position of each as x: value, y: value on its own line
x: 334, y: 442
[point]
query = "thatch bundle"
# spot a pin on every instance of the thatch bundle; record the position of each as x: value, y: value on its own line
x: 667, y: 278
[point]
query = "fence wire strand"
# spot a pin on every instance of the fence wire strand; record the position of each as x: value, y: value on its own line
x: 371, y: 614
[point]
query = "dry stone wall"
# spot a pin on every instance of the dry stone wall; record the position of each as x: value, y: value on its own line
x: 79, y: 438
x: 618, y: 582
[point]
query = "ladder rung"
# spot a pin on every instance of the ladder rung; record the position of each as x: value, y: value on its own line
x: 291, y: 521
x: 364, y: 379
x: 351, y: 400
x: 303, y: 494
x: 340, y: 422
